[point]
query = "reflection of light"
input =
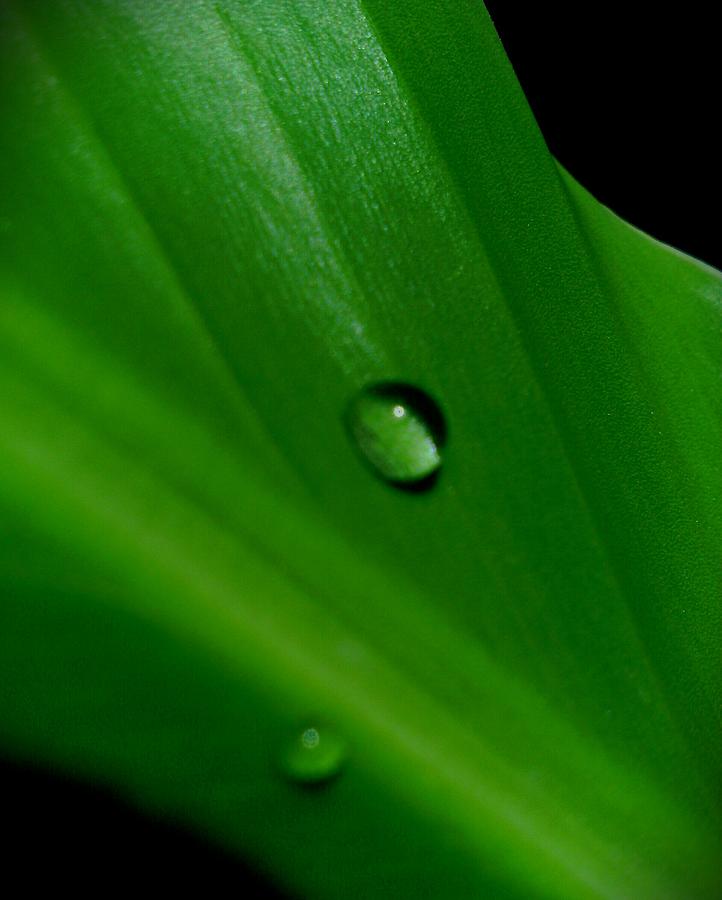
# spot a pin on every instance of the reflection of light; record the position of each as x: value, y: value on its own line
x: 399, y: 411
x: 310, y: 738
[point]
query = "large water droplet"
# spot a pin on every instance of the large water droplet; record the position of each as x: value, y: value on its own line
x: 314, y: 754
x: 400, y: 431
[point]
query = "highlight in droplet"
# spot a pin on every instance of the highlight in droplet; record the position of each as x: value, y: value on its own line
x: 400, y: 431
x: 314, y: 754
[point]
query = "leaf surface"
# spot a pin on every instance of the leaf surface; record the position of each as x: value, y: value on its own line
x: 221, y: 222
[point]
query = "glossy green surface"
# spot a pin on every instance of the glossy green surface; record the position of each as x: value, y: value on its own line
x: 220, y: 222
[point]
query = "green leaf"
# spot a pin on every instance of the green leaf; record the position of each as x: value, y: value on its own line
x: 221, y: 224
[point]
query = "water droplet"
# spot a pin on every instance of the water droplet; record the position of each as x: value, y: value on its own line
x: 314, y: 755
x: 400, y: 431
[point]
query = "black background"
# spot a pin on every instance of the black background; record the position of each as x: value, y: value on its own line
x: 627, y: 97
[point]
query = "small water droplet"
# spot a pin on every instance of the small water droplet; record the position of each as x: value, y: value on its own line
x: 400, y: 431
x: 314, y: 754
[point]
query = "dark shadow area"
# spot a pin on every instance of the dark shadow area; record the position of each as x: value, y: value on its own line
x: 627, y: 97
x: 62, y: 835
